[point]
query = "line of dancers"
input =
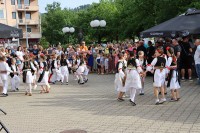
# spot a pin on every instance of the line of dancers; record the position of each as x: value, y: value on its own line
x: 130, y: 75
x: 40, y: 72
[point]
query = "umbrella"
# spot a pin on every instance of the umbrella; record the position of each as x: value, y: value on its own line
x: 183, y: 25
x: 10, y: 32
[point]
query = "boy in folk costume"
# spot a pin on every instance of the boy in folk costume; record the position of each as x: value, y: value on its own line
x: 15, y: 79
x: 27, y: 75
x: 44, y: 73
x: 143, y: 63
x: 4, y: 70
x: 158, y: 65
x: 173, y: 76
x: 64, y: 68
x: 133, y: 77
x: 120, y: 78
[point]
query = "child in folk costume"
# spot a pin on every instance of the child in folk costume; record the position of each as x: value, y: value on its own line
x: 120, y: 78
x: 64, y: 63
x: 143, y: 63
x: 106, y: 63
x: 98, y: 61
x: 4, y: 70
x: 80, y: 72
x: 34, y: 71
x: 86, y: 71
x: 133, y: 77
x: 60, y: 77
x: 158, y: 64
x: 54, y: 69
x: 27, y: 75
x: 44, y: 74
x: 15, y: 79
x: 173, y: 76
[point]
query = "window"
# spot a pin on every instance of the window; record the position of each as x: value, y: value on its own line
x: 12, y: 2
x: 19, y: 2
x: 28, y: 15
x: 13, y: 15
x: 29, y: 29
x: 27, y: 2
x: 1, y: 14
x: 20, y: 15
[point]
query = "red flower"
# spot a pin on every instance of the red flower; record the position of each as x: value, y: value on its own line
x: 167, y: 48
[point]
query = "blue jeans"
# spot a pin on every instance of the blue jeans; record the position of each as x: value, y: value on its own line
x: 197, y: 66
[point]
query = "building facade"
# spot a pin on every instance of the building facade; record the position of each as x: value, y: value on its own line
x: 23, y: 14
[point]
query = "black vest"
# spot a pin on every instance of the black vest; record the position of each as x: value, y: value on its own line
x: 12, y: 74
x: 26, y: 65
x: 161, y: 61
x: 63, y: 62
x: 52, y: 64
x: 117, y: 66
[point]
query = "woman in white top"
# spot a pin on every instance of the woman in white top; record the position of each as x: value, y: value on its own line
x: 19, y: 55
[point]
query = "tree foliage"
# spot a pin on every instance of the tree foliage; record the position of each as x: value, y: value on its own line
x: 125, y: 18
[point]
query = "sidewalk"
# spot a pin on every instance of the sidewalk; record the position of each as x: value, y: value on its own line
x: 93, y: 107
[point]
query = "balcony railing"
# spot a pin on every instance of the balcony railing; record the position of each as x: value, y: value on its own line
x: 32, y: 35
x: 28, y: 22
x: 22, y: 7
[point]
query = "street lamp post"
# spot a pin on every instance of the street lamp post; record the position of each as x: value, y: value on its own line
x: 98, y: 24
x: 26, y: 7
x: 68, y: 30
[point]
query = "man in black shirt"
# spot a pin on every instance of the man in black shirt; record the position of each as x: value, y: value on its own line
x: 186, y: 59
x: 142, y: 48
x: 150, y: 52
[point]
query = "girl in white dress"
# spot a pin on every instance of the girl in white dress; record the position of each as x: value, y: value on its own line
x: 120, y: 78
x: 143, y: 63
x: 80, y: 72
x: 133, y: 77
x: 64, y: 62
x: 173, y: 77
x: 158, y: 67
x: 44, y: 74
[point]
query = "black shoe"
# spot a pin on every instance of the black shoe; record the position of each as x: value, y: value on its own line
x: 17, y: 89
x: 53, y: 83
x: 82, y: 83
x: 79, y: 81
x: 141, y: 94
x: 159, y: 93
x: 120, y: 99
x: 134, y: 104
x: 67, y: 83
x: 165, y: 93
x: 4, y: 95
x: 86, y: 80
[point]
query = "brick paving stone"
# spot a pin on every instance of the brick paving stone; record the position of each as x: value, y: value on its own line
x: 93, y: 107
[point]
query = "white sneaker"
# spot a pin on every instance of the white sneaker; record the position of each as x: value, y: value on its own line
x: 162, y: 100
x: 157, y: 101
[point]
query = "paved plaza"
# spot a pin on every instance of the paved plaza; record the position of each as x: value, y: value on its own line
x: 93, y: 107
